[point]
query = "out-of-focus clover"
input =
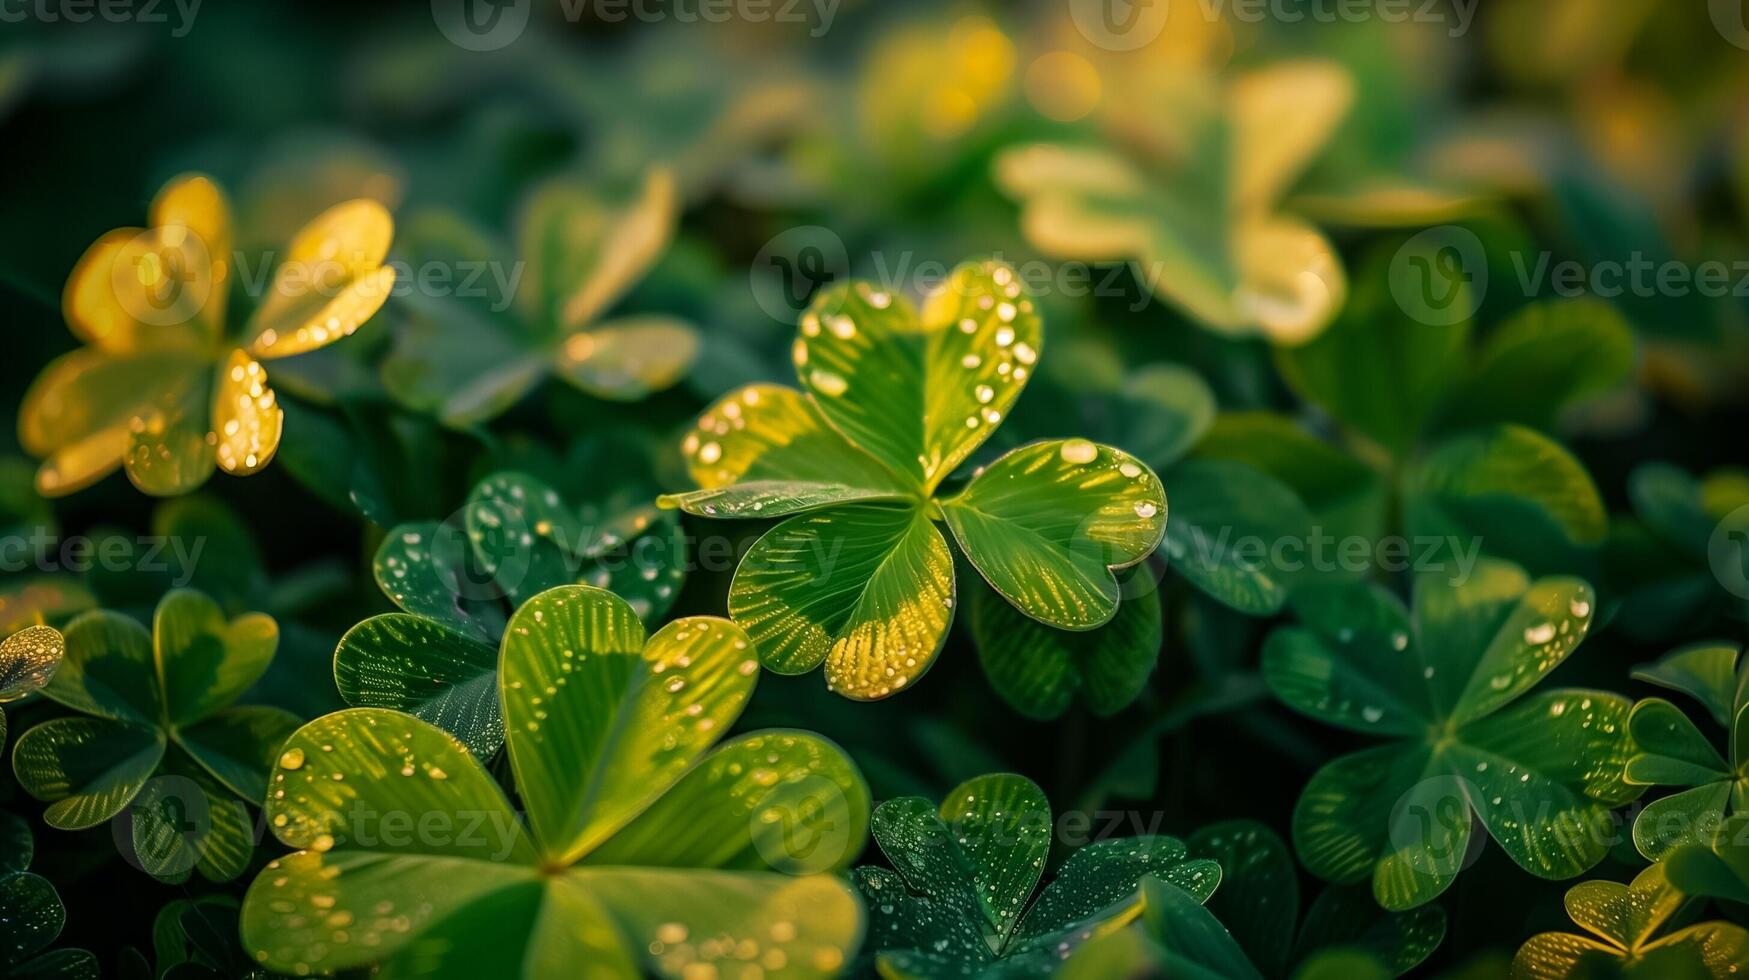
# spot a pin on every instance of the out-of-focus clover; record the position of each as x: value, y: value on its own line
x: 1191, y: 194
x: 458, y: 582
x: 958, y: 900
x: 1628, y: 938
x: 506, y: 323
x: 647, y: 847
x: 1450, y: 685
x: 1673, y: 752
x: 895, y: 400
x: 1680, y: 561
x: 163, y: 387
x: 1440, y: 440
x: 157, y: 734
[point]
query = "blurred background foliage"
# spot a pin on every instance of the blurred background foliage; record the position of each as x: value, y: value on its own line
x: 1594, y: 131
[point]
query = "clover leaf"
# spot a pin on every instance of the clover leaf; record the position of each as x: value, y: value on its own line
x: 34, y: 917
x: 1258, y: 904
x: 1201, y: 226
x: 437, y: 659
x: 1678, y: 561
x: 894, y: 401
x: 1436, y: 441
x: 28, y: 659
x: 1628, y: 936
x: 1673, y: 752
x: 958, y: 900
x: 643, y: 849
x: 1450, y: 683
x: 160, y: 704
x: 467, y: 358
x: 162, y: 388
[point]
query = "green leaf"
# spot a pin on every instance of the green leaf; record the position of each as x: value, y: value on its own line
x: 394, y: 769
x: 1376, y: 370
x: 868, y: 590
x: 1680, y: 819
x: 17, y: 844
x: 1259, y: 895
x: 230, y: 566
x: 764, y: 450
x: 1039, y: 670
x: 920, y: 393
x: 1165, y: 410
x: 1346, y: 495
x: 793, y: 927
x: 427, y: 670
x: 206, y: 662
x: 632, y: 716
x: 629, y: 358
x: 1626, y: 918
x: 529, y: 540
x: 784, y: 800
x: 1545, y: 358
x: 1101, y: 881
x: 1189, y: 940
x: 1706, y: 672
x: 238, y: 746
x: 1349, y: 919
x: 464, y: 365
x: 1549, y: 619
x: 87, y: 769
x: 1230, y: 525
x: 34, y: 917
x: 424, y: 568
x: 1046, y: 524
x: 1672, y: 751
x: 1351, y: 664
x: 28, y: 660
x: 108, y: 669
x: 1508, y: 479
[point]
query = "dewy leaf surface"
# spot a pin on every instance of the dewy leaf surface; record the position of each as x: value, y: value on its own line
x: 1046, y: 524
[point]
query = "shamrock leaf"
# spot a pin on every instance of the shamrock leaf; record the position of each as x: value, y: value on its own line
x: 1678, y: 561
x: 1201, y: 225
x: 644, y: 850
x: 162, y: 388
x: 28, y: 659
x: 1450, y: 684
x: 457, y: 587
x: 34, y: 917
x: 958, y: 900
x: 1175, y: 936
x: 1258, y: 902
x: 469, y: 357
x: 1628, y: 938
x: 1673, y: 752
x: 157, y: 733
x: 895, y: 399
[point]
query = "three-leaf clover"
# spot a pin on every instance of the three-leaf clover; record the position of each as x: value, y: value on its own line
x: 1671, y: 751
x: 1679, y: 560
x: 1628, y: 936
x: 159, y: 704
x: 958, y: 899
x: 457, y: 587
x: 1195, y: 206
x: 1258, y: 903
x: 644, y: 850
x: 469, y: 356
x: 1449, y: 684
x: 33, y: 918
x: 1441, y: 443
x: 28, y: 659
x: 163, y: 388
x: 894, y: 401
